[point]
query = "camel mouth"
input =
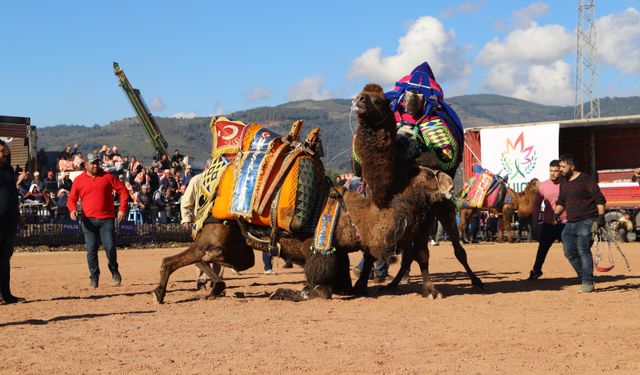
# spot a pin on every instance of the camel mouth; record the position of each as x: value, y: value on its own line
x: 358, y: 106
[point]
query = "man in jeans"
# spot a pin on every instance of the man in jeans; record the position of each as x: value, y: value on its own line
x: 584, y: 203
x: 550, y: 231
x: 95, y: 188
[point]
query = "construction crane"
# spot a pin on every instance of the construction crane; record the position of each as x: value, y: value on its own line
x: 142, y: 111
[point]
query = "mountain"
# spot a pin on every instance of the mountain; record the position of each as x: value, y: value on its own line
x: 193, y: 137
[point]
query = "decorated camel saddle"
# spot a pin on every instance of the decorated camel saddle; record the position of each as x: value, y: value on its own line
x: 426, y: 123
x: 484, y: 190
x: 266, y: 182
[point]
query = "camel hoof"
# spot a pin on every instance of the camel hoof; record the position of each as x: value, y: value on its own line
x: 218, y: 288
x: 158, y: 296
x: 477, y: 283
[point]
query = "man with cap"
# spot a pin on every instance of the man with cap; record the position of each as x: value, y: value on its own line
x: 96, y: 188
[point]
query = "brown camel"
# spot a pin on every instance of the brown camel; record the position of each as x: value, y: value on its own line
x: 386, y: 176
x: 378, y: 232
x: 521, y: 203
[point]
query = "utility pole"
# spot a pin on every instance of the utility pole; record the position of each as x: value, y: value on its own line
x: 587, y: 63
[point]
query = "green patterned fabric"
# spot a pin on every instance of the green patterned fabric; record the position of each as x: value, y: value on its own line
x: 310, y: 196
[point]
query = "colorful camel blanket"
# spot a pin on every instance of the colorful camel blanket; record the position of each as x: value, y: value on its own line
x: 483, y: 190
x: 262, y: 178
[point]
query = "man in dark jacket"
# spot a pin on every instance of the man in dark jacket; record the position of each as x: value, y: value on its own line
x: 584, y: 203
x: 9, y: 214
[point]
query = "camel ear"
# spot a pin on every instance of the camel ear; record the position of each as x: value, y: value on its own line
x: 445, y: 182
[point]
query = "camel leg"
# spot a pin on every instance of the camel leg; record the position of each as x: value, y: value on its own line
x: 360, y: 288
x: 405, y: 266
x: 218, y: 285
x: 447, y: 217
x: 428, y: 289
x: 171, y: 264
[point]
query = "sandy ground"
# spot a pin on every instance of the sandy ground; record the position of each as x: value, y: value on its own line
x: 514, y: 326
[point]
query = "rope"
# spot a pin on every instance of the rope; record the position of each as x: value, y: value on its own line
x: 602, y: 234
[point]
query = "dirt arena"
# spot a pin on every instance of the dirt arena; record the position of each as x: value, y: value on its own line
x: 514, y: 326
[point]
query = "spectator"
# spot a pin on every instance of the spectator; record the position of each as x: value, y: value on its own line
x: 115, y: 154
x: 95, y: 188
x: 23, y: 183
x: 165, y: 163
x: 9, y: 215
x: 68, y: 154
x: 160, y: 203
x: 104, y: 151
x: 65, y: 182
x: 50, y: 183
x: 134, y: 164
x: 155, y: 162
x: 37, y: 181
x: 492, y: 226
x: 176, y: 160
x: 188, y: 174
x: 143, y: 199
x: 78, y: 162
x: 154, y: 179
x: 125, y: 163
x: 584, y: 203
x: 36, y: 195
x: 165, y: 179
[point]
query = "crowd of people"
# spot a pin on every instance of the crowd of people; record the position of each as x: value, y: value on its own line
x: 154, y: 190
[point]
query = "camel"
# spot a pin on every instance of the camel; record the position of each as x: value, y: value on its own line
x: 522, y: 203
x: 378, y: 230
x: 386, y: 177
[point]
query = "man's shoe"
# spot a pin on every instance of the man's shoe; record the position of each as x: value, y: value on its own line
x: 534, y: 275
x: 12, y: 299
x: 287, y: 264
x: 93, y: 283
x: 117, y: 279
x: 587, y: 288
x: 269, y: 272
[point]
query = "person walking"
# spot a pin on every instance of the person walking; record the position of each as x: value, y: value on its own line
x: 550, y: 230
x: 584, y: 204
x: 187, y: 214
x: 9, y: 215
x: 95, y: 188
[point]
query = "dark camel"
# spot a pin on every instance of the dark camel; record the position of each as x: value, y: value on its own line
x: 386, y: 176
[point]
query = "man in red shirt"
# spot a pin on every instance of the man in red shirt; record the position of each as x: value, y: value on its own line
x: 550, y: 230
x: 95, y: 188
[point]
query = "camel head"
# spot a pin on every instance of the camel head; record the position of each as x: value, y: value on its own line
x: 533, y: 185
x: 372, y: 108
x: 436, y: 183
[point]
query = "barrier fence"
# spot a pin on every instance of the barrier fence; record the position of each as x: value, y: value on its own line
x: 128, y: 233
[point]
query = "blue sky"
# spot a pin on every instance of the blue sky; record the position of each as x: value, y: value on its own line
x: 198, y: 58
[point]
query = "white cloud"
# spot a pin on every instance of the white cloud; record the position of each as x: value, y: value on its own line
x: 257, y: 94
x: 157, y: 104
x: 309, y: 88
x: 529, y: 64
x: 462, y: 8
x: 524, y: 17
x: 186, y: 115
x: 425, y: 40
x: 618, y: 40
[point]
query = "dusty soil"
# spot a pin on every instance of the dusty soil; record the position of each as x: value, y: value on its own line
x: 514, y: 326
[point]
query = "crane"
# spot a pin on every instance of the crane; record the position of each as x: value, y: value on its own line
x: 142, y: 111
